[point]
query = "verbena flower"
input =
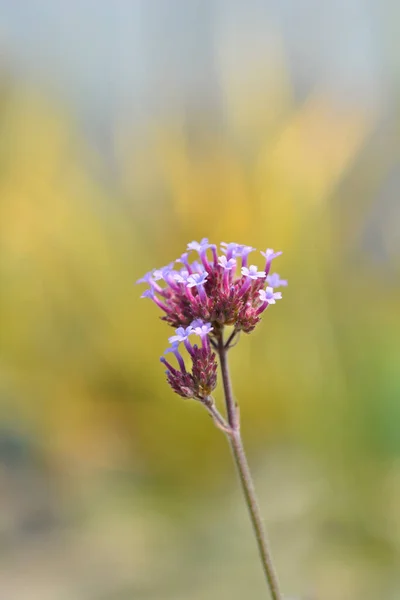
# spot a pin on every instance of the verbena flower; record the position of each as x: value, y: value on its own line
x: 201, y: 381
x: 198, y: 299
x: 211, y: 289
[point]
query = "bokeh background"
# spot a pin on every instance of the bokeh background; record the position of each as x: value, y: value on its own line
x: 128, y: 129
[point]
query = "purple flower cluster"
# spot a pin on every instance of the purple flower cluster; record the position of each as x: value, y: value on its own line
x: 200, y: 297
x: 202, y: 380
x: 217, y: 289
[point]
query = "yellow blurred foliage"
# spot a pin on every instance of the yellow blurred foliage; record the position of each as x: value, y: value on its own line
x: 80, y: 349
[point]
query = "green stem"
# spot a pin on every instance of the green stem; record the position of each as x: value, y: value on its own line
x: 246, y: 480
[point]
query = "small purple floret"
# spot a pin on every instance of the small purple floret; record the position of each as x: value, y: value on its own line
x: 181, y: 277
x: 232, y: 249
x: 200, y: 328
x: 270, y: 254
x: 226, y: 264
x: 175, y: 350
x: 163, y: 272
x: 196, y: 279
x: 244, y: 253
x: 269, y: 295
x: 181, y: 334
x: 252, y: 272
x: 148, y: 294
x: 147, y: 278
x: 275, y: 281
x: 199, y: 246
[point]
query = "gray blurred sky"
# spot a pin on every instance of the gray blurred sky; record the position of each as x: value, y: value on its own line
x: 144, y: 53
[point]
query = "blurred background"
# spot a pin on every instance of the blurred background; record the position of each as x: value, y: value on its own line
x: 128, y: 129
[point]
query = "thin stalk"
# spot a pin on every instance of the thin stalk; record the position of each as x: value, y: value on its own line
x: 245, y: 477
x: 230, y: 339
x: 231, y: 409
x: 215, y: 414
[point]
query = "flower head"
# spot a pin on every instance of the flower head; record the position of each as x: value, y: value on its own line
x: 213, y: 291
x: 201, y: 298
